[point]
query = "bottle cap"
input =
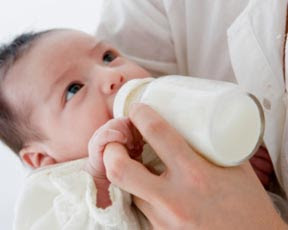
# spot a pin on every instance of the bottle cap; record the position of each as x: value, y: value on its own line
x: 122, y: 96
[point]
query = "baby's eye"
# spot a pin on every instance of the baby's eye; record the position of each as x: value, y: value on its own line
x: 109, y: 56
x: 72, y: 89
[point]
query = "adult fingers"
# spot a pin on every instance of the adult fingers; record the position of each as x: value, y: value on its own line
x: 162, y: 217
x: 164, y: 139
x: 129, y: 174
x: 145, y: 208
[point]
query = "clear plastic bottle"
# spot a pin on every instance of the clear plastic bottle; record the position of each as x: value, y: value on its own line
x: 218, y: 119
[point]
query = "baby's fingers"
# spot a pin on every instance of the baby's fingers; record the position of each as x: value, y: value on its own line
x: 100, y: 139
x: 97, y: 143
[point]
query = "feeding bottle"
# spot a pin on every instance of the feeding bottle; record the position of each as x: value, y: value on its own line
x: 218, y: 119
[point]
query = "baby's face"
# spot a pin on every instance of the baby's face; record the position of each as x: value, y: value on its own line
x: 70, y: 80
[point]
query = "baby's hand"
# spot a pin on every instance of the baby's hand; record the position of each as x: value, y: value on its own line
x: 262, y: 165
x: 118, y: 130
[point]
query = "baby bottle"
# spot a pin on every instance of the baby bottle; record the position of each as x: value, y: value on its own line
x: 218, y: 119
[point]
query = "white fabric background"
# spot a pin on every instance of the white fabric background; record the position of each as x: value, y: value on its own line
x: 18, y: 16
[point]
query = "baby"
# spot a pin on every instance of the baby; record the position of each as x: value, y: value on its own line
x: 57, y: 92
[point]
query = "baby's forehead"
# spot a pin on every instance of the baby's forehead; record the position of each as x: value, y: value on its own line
x: 47, y: 56
x: 64, y: 41
x: 57, y: 49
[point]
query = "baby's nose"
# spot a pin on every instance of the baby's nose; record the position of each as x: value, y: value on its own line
x: 112, y: 84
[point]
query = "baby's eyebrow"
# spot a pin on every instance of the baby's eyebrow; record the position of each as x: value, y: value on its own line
x: 98, y: 46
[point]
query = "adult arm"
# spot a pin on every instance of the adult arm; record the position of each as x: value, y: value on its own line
x: 191, y: 193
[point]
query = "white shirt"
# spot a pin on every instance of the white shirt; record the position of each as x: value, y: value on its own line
x: 185, y: 37
x: 256, y: 45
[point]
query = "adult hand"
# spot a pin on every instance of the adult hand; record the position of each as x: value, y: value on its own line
x: 192, y: 193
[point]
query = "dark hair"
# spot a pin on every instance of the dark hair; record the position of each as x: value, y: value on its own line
x: 15, y: 128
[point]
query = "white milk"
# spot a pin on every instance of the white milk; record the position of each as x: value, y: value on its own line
x: 218, y: 119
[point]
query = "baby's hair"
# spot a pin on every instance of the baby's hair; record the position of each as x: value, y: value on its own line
x: 15, y: 128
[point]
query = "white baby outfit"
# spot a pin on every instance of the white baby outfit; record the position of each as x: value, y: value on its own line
x: 63, y: 196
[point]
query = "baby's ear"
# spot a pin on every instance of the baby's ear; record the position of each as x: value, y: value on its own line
x: 35, y: 157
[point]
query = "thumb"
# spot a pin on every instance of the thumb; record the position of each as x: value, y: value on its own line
x: 127, y: 173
